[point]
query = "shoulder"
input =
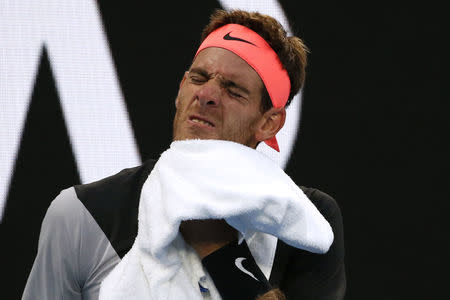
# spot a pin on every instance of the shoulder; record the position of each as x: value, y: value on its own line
x: 65, y: 202
x: 112, y: 189
x: 69, y: 230
x: 65, y: 220
x: 64, y: 216
x: 113, y: 202
x: 323, y: 202
x: 306, y: 275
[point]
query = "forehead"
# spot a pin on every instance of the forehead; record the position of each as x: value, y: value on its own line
x: 216, y: 60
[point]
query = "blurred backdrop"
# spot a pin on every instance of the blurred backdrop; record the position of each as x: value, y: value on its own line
x: 87, y: 88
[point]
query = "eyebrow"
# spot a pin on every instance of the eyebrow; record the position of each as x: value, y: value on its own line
x: 225, y: 82
x: 199, y: 71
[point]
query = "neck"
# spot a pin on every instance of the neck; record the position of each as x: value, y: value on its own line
x: 207, y: 236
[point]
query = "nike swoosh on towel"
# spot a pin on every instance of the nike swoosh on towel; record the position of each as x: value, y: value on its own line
x: 238, y: 263
x: 232, y: 38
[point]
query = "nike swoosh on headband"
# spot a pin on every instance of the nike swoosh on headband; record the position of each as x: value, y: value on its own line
x: 238, y: 263
x: 228, y: 37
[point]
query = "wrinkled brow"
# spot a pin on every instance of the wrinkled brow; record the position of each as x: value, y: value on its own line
x: 225, y: 82
x: 199, y: 71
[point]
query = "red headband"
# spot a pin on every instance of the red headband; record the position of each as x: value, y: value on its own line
x: 252, y: 48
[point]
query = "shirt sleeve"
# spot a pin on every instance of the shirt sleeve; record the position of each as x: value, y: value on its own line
x: 319, y: 276
x: 55, y: 273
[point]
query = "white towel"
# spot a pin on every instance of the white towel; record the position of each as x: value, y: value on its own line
x: 209, y: 179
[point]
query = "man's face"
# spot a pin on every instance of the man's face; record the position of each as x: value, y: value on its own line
x: 219, y: 98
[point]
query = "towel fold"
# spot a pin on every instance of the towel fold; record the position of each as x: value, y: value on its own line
x: 209, y: 179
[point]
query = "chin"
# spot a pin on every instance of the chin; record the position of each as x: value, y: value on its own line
x: 192, y: 137
x: 197, y: 135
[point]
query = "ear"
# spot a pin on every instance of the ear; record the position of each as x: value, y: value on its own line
x: 271, y: 122
x: 181, y: 85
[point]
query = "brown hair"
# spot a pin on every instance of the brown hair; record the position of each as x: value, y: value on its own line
x: 290, y: 50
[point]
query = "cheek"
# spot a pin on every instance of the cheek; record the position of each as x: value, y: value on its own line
x: 241, y: 123
x: 180, y: 102
x: 182, y: 97
x: 177, y: 99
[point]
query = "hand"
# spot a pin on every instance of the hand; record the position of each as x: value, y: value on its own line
x: 207, y: 236
x: 274, y: 294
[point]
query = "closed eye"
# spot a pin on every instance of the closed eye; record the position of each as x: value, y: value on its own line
x: 234, y: 94
x: 196, y: 78
x: 234, y: 90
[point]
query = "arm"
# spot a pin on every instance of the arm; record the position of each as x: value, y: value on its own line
x: 318, y: 276
x: 74, y: 255
x: 231, y: 266
x: 54, y: 274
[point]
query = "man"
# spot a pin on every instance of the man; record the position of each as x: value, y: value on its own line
x: 244, y: 74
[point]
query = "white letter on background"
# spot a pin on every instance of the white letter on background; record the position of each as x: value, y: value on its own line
x: 93, y: 106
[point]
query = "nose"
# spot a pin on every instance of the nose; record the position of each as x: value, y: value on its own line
x: 209, y: 93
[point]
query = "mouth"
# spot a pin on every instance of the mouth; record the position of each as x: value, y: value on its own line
x: 201, y: 121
